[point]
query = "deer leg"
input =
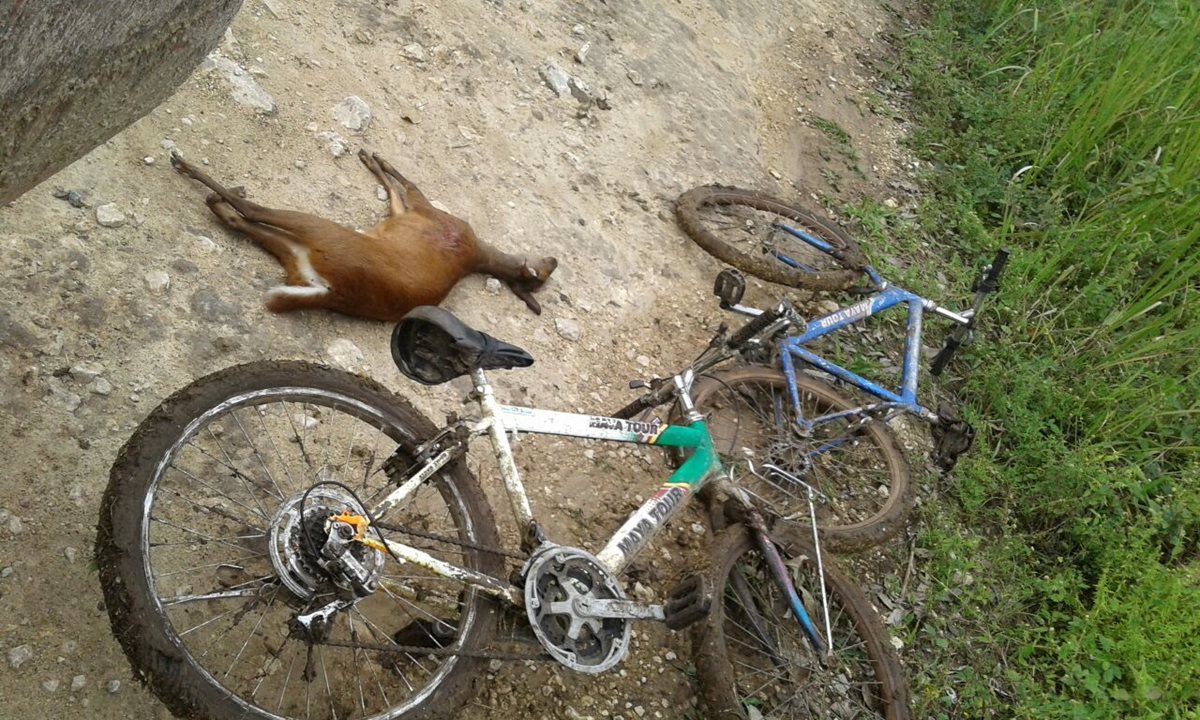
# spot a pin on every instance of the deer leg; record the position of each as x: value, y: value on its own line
x: 290, y: 254
x: 298, y: 224
x: 286, y: 298
x: 415, y: 198
x: 395, y: 191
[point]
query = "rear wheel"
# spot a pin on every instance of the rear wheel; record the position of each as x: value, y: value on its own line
x: 209, y: 546
x: 740, y: 227
x: 754, y: 661
x: 853, y: 461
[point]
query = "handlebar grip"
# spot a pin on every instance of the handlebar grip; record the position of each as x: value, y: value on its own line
x: 942, y: 359
x: 633, y: 408
x: 754, y: 327
x: 991, y: 281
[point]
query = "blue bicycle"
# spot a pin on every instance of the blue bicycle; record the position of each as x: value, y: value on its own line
x: 778, y: 422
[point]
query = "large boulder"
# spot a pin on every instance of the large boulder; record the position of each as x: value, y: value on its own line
x: 73, y: 74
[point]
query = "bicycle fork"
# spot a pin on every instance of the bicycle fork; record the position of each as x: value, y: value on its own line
x: 779, y: 571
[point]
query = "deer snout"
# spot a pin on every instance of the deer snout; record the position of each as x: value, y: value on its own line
x: 532, y: 276
x: 536, y: 273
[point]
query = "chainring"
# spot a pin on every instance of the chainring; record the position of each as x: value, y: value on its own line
x: 558, y: 576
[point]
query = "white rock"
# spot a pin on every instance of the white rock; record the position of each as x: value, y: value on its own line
x: 149, y: 160
x: 19, y: 655
x: 346, y: 354
x: 381, y: 193
x: 78, y: 683
x: 100, y: 386
x: 567, y: 328
x: 110, y: 216
x: 157, y: 281
x: 70, y: 554
x: 113, y: 686
x: 581, y: 53
x: 62, y: 397
x: 207, y: 245
x: 643, y: 361
x: 86, y: 371
x: 335, y: 143
x: 50, y: 685
x: 493, y: 285
x: 557, y: 78
x: 243, y: 88
x: 414, y: 51
x: 353, y: 113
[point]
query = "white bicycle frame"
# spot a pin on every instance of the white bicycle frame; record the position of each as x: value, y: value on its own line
x: 497, y: 421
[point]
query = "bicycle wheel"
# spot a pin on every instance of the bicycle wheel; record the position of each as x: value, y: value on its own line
x: 208, y: 547
x: 859, y: 468
x: 738, y: 227
x: 754, y: 661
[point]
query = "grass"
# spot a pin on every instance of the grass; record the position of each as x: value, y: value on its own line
x: 1068, y: 131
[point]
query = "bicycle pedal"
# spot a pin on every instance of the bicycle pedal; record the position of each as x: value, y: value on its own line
x: 688, y: 602
x: 952, y: 436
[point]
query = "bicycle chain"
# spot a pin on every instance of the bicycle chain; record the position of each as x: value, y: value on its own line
x: 449, y: 541
x: 418, y: 650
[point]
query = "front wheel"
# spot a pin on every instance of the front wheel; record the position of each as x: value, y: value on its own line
x: 753, y: 660
x: 854, y: 462
x: 209, y: 546
x: 742, y: 228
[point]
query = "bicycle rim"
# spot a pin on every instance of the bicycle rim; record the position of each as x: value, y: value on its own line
x: 743, y: 228
x: 857, y: 467
x: 754, y: 660
x: 228, y: 533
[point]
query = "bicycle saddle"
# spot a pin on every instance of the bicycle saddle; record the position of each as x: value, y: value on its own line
x: 432, y: 346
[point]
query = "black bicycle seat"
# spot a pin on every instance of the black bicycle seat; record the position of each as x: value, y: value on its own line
x: 432, y: 346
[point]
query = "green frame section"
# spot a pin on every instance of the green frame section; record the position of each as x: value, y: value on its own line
x: 702, y: 463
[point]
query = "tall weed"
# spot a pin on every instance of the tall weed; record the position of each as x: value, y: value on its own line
x: 1070, y: 131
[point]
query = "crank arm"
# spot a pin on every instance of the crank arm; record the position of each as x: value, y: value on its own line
x: 623, y: 609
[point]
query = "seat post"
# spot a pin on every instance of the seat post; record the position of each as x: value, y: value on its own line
x: 494, y: 418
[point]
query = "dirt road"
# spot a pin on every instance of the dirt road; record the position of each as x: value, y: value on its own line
x: 108, y: 307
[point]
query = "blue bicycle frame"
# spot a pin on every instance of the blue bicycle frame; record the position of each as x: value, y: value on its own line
x: 888, y: 296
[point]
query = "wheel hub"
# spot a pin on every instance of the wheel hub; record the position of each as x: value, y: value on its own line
x: 558, y: 585
x: 297, y: 539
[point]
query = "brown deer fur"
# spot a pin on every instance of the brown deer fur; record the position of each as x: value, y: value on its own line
x: 412, y: 258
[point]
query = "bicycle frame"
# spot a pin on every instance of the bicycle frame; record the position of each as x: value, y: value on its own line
x: 497, y: 421
x: 888, y: 296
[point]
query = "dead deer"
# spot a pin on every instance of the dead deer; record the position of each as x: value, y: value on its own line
x: 412, y: 258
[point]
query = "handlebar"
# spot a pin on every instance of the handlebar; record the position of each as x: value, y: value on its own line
x: 654, y: 398
x: 989, y: 283
x: 991, y: 276
x: 756, y: 325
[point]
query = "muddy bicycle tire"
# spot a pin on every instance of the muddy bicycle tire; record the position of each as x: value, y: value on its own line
x: 749, y: 409
x: 129, y: 544
x: 848, y: 260
x: 863, y: 680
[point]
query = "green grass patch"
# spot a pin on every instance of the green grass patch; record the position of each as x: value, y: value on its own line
x: 1070, y: 132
